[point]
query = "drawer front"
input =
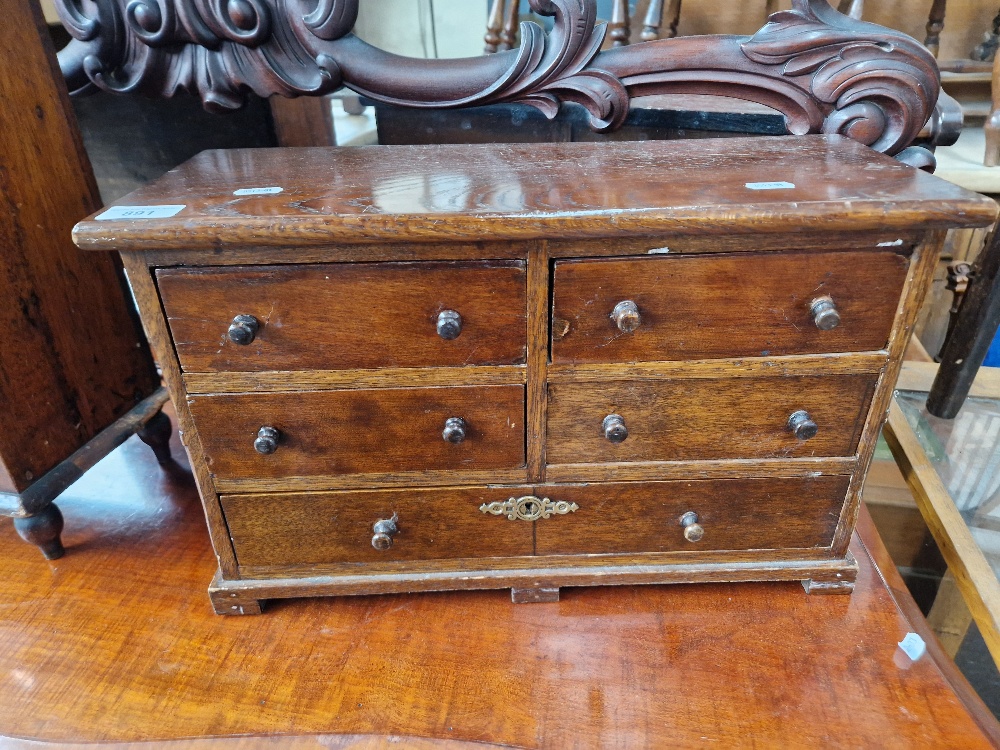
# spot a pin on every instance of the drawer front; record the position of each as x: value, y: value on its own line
x: 361, y: 432
x: 346, y: 316
x: 734, y: 514
x: 671, y: 420
x: 705, y: 307
x: 333, y: 527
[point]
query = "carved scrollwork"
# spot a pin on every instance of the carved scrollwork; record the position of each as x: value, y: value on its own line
x: 824, y: 71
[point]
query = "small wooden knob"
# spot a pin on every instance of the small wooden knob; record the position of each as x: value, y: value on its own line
x: 825, y: 313
x: 385, y: 530
x: 454, y: 429
x: 693, y: 530
x: 626, y: 316
x: 449, y: 325
x: 243, y: 329
x: 267, y: 440
x: 802, y: 425
x: 614, y: 428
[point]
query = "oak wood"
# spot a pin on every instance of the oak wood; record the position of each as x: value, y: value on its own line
x: 353, y: 251
x: 705, y: 419
x: 737, y: 514
x: 154, y: 322
x: 922, y: 265
x: 744, y: 367
x: 384, y: 377
x: 735, y: 421
x: 346, y: 316
x: 723, y: 306
x: 538, y: 360
x: 141, y: 657
x: 72, y: 357
x: 712, y: 469
x: 361, y: 431
x: 337, y: 527
x: 535, y: 191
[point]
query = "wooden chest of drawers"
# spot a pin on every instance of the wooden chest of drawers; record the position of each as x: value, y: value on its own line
x: 531, y: 367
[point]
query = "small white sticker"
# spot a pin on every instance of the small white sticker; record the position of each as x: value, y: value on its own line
x: 659, y: 251
x: 894, y: 243
x: 258, y: 191
x: 913, y: 646
x: 770, y: 185
x: 132, y: 213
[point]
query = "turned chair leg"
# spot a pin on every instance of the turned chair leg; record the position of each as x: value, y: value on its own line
x: 992, y: 126
x: 43, y: 530
x: 620, y: 27
x: 935, y: 25
x: 156, y: 434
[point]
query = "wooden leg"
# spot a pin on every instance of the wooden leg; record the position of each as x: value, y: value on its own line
x: 620, y: 26
x: 508, y: 36
x: 852, y: 8
x: 970, y: 339
x: 992, y: 126
x: 230, y: 603
x: 950, y: 617
x: 813, y: 586
x: 935, y: 25
x: 494, y: 24
x: 43, y: 530
x: 156, y: 434
x: 534, y: 595
x: 653, y: 21
x: 834, y: 582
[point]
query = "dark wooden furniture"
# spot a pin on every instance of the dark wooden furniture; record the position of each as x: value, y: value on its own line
x: 424, y: 368
x: 823, y: 70
x: 76, y: 376
x: 969, y: 340
x: 136, y: 655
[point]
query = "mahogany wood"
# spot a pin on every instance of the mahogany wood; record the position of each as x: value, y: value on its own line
x: 712, y: 306
x: 360, y: 432
x: 824, y: 71
x: 736, y: 514
x: 346, y: 317
x: 706, y: 419
x: 370, y: 431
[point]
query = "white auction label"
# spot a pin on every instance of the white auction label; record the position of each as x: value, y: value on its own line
x: 131, y: 213
x: 770, y: 185
x: 258, y: 191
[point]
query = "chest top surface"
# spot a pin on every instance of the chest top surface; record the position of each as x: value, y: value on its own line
x: 566, y: 190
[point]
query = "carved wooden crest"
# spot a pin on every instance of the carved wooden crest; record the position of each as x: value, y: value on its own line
x: 823, y: 70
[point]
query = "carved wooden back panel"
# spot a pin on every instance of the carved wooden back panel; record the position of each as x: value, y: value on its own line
x: 826, y: 72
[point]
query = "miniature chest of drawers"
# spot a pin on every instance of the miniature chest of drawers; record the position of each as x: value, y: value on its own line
x: 531, y: 367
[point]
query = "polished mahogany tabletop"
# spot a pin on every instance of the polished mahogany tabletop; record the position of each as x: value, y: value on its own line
x: 117, y: 643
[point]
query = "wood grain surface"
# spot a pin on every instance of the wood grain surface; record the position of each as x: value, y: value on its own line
x: 72, y: 357
x: 567, y: 190
x: 362, y: 431
x: 97, y: 649
x: 346, y: 316
x: 302, y: 529
x: 670, y: 420
x: 705, y: 307
x: 736, y: 514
